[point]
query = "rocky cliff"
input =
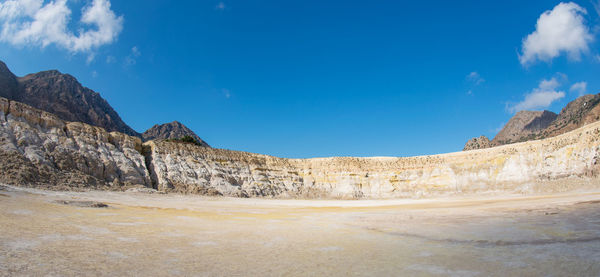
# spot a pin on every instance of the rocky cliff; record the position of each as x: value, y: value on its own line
x: 63, y: 96
x: 561, y: 163
x: 173, y: 130
x: 38, y: 148
x: 531, y: 125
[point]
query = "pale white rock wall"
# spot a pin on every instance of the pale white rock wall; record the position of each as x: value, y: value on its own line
x: 38, y: 142
x: 38, y: 148
x: 561, y: 163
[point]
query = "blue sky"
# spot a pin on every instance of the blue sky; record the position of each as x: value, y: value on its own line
x: 317, y: 78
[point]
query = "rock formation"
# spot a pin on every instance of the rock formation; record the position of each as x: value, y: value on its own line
x: 478, y: 143
x: 579, y: 112
x: 63, y: 96
x: 39, y: 149
x: 524, y: 126
x: 173, y: 130
x: 531, y: 125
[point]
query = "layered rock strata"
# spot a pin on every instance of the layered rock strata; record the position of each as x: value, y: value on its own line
x: 561, y: 163
x: 37, y: 148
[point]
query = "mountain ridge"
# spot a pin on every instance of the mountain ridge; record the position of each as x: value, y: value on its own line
x: 62, y: 95
x: 533, y: 125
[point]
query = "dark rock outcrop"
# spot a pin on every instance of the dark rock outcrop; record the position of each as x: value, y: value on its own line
x: 478, y: 143
x: 173, y: 130
x: 62, y: 95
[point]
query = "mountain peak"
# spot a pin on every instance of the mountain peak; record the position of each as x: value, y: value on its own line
x: 531, y: 125
x: 524, y: 125
x: 62, y: 95
x: 172, y: 130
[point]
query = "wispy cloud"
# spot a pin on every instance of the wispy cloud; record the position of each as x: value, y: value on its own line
x: 541, y: 97
x: 131, y: 59
x: 475, y: 78
x: 35, y: 23
x: 220, y: 6
x: 579, y: 87
x: 561, y: 30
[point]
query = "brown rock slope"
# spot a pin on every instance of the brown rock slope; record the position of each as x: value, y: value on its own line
x: 173, y: 130
x: 579, y: 112
x: 524, y: 126
x: 532, y: 125
x: 62, y: 95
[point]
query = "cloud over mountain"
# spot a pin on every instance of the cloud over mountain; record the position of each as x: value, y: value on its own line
x: 541, y: 97
x: 33, y: 22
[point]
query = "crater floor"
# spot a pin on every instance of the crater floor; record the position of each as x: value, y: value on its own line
x: 71, y: 234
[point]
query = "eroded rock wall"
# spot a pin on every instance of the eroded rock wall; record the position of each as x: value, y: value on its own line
x: 38, y: 148
x: 561, y: 163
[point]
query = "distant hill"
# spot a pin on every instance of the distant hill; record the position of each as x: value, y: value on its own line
x: 531, y: 125
x: 173, y: 130
x: 62, y: 95
x: 523, y: 126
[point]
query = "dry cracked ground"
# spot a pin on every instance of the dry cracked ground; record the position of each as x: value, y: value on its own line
x: 137, y: 234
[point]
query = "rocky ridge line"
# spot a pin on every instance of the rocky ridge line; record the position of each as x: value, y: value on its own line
x: 39, y: 149
x: 533, y: 125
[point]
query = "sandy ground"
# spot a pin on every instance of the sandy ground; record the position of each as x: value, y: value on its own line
x: 170, y: 235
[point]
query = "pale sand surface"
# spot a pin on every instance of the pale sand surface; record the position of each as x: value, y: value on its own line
x: 175, y: 235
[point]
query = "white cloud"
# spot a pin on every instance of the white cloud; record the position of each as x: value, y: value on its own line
x: 31, y: 22
x: 111, y: 59
x: 221, y: 6
x: 560, y: 30
x: 579, y: 87
x: 475, y: 78
x: 131, y: 59
x: 541, y: 97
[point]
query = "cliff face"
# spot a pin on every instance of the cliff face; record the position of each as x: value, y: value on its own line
x: 525, y: 125
x: 173, y: 130
x: 63, y: 96
x: 561, y: 163
x: 39, y: 149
